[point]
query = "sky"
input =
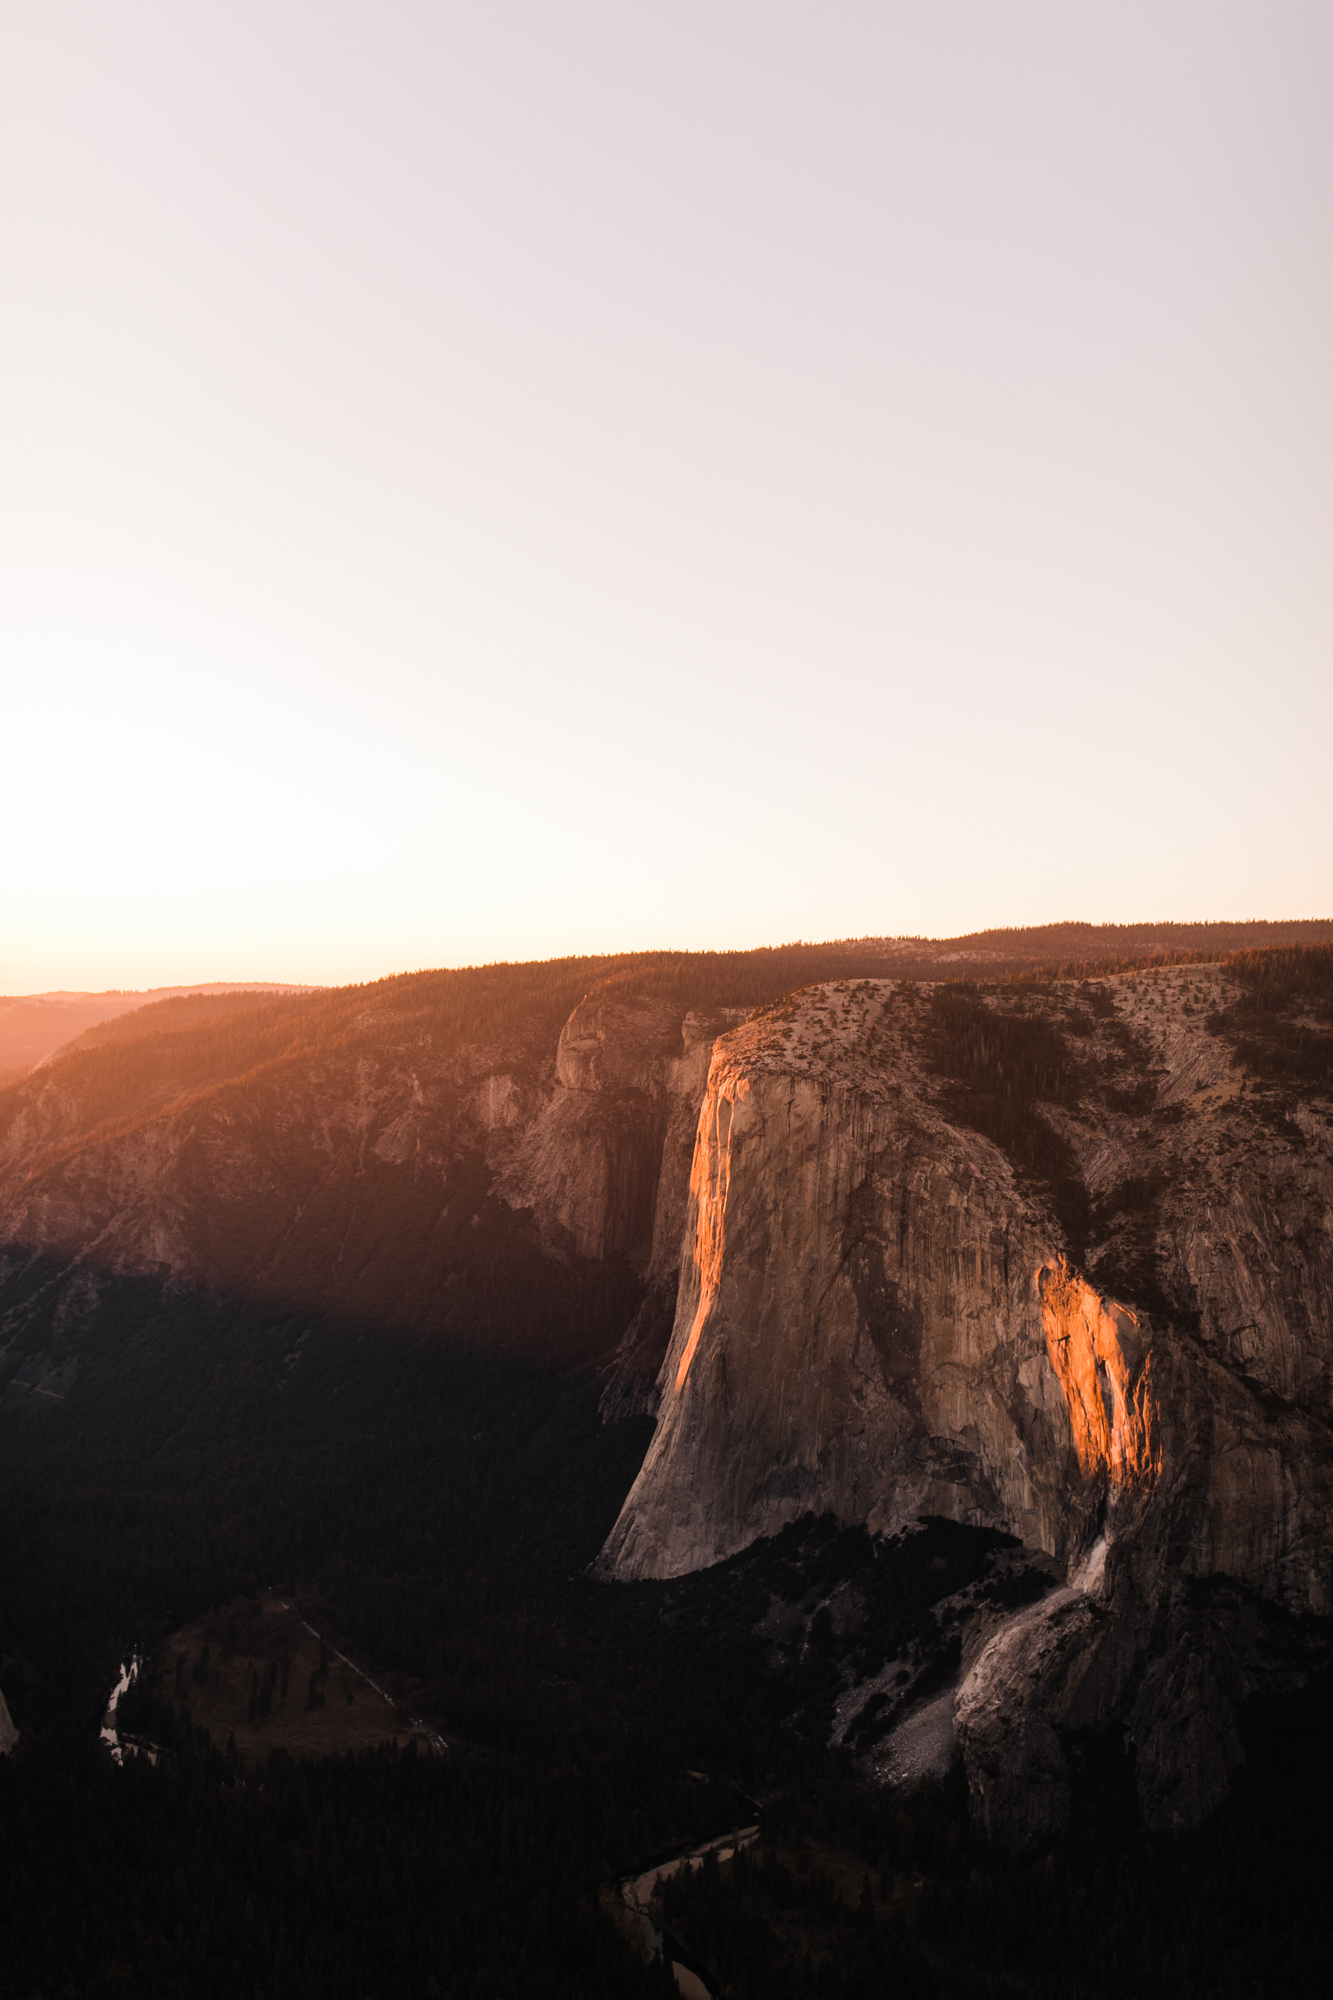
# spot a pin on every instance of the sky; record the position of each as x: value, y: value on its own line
x: 492, y: 482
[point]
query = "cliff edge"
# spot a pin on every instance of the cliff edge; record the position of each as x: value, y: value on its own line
x: 1093, y: 1310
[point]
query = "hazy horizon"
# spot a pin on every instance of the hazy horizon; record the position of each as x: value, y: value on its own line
x: 906, y: 938
x: 485, y: 485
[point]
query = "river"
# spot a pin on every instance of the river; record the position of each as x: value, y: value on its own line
x: 636, y: 1893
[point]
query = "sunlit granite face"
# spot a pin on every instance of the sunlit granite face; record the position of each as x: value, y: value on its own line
x: 877, y: 1318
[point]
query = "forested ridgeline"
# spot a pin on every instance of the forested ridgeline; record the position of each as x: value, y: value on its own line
x: 1281, y: 1024
x: 322, y: 1149
x: 133, y: 1065
x: 162, y: 1056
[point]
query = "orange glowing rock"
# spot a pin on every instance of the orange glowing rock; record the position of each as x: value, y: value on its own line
x: 1112, y: 1407
x: 710, y: 1178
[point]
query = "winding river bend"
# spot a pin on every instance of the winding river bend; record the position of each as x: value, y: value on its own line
x: 636, y: 1894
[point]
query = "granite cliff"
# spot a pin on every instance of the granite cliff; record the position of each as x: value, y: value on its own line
x: 1124, y: 1359
x: 1054, y: 1260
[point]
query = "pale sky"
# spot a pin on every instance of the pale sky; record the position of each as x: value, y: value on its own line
x: 539, y: 476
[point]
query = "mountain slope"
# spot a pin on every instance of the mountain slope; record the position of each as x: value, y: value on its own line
x: 34, y: 1025
x: 1049, y: 1258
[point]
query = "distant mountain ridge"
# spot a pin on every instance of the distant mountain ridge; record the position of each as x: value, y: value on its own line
x: 34, y: 1025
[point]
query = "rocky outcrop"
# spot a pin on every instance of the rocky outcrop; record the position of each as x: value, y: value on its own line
x: 596, y: 1158
x: 865, y: 1324
x: 1103, y: 1364
x: 879, y: 1317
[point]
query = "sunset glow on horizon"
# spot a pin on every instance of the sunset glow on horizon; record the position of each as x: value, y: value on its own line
x: 514, y: 482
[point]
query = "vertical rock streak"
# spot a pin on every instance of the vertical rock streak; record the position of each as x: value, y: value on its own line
x: 710, y: 1178
x: 1112, y: 1409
